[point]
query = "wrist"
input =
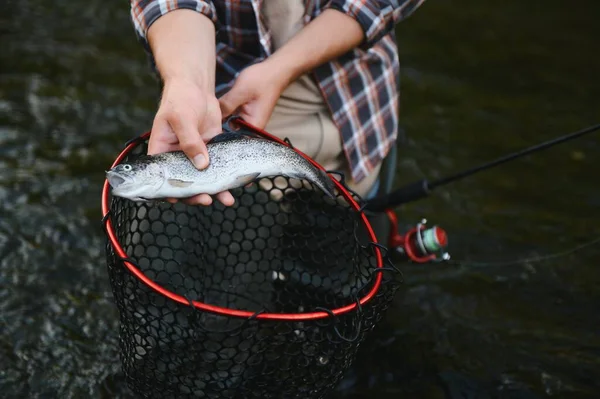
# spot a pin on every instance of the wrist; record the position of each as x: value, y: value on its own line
x: 283, y: 69
x: 196, y: 80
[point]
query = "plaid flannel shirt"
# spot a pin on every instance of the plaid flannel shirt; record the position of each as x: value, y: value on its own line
x: 360, y: 87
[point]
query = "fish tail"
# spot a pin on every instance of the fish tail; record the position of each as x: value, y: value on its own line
x: 325, y: 183
x: 318, y: 178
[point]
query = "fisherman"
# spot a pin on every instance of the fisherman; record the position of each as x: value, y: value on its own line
x: 324, y: 74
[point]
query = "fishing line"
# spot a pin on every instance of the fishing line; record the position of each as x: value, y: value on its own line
x: 533, y: 259
x: 464, y: 267
x: 422, y: 188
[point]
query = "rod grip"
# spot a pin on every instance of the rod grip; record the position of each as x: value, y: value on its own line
x: 403, y: 195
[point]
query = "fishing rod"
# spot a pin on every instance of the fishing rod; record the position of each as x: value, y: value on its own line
x: 422, y: 188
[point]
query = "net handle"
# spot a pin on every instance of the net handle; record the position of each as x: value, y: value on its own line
x: 120, y: 252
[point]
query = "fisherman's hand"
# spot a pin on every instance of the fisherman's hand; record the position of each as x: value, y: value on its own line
x: 188, y: 116
x: 254, y: 93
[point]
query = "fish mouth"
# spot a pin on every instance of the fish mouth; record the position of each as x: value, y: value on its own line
x: 115, y: 179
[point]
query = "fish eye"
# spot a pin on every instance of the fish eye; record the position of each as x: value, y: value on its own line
x: 126, y: 167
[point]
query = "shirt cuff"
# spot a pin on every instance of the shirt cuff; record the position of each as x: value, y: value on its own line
x: 376, y: 17
x: 145, y: 12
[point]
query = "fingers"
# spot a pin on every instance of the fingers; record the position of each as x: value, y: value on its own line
x: 233, y: 99
x: 160, y: 137
x: 182, y: 119
x: 247, y: 110
x: 190, y: 140
x: 224, y: 197
x: 228, y: 105
x: 254, y: 104
x: 173, y: 134
x: 201, y: 199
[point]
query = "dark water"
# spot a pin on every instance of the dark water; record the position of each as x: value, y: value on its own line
x: 479, y: 79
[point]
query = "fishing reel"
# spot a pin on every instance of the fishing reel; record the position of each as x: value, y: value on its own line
x: 419, y: 244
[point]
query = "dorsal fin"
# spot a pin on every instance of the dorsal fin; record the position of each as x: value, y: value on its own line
x: 226, y: 136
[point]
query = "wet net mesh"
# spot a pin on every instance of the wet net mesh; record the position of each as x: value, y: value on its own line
x: 282, y: 248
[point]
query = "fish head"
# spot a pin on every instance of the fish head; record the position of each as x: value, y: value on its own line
x: 136, y: 180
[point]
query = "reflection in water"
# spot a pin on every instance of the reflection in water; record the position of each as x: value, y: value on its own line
x: 479, y: 79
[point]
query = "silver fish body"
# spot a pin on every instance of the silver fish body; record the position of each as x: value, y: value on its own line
x: 235, y: 160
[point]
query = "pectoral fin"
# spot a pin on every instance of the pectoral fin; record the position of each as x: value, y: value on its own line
x: 245, y: 179
x: 179, y: 183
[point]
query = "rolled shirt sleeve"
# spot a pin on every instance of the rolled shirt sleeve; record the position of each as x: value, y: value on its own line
x: 145, y: 12
x: 377, y: 17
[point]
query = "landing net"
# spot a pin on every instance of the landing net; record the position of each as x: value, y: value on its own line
x: 268, y: 298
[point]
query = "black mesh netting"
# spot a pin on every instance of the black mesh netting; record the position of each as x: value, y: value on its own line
x: 282, y: 248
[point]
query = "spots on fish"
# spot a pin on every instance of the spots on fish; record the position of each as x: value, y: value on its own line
x: 232, y: 163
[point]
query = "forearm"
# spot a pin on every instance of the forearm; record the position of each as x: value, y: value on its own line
x: 183, y: 46
x: 345, y: 25
x: 327, y: 37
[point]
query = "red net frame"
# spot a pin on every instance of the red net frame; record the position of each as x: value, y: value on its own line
x: 234, y: 312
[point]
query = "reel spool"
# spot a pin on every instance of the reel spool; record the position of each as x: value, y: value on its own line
x: 419, y: 244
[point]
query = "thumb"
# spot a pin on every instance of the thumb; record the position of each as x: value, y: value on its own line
x: 191, y: 142
x: 231, y: 101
